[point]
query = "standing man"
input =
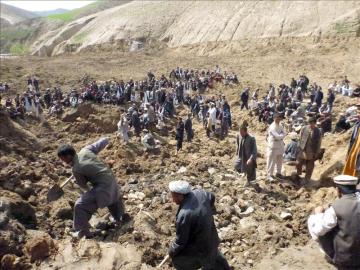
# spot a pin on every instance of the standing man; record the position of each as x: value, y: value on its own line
x: 87, y: 168
x: 188, y: 128
x: 336, y: 227
x: 245, y: 98
x: 212, y: 117
x: 330, y: 99
x: 275, y: 148
x: 179, y: 135
x: 123, y: 127
x: 309, y: 148
x: 318, y: 97
x: 197, y: 243
x: 246, y: 153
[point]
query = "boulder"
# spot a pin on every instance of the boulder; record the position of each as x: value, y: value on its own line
x: 39, y: 245
x: 18, y: 208
x: 61, y: 209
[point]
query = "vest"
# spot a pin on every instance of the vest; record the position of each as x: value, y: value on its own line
x: 347, y: 236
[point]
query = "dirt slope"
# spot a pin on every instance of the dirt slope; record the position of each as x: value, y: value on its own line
x: 192, y: 22
x: 13, y: 15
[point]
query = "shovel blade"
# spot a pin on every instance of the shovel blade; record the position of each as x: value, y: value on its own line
x: 54, y: 193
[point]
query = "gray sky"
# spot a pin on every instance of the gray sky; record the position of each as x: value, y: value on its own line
x: 47, y: 5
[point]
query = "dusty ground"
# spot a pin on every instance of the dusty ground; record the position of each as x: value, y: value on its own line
x: 248, y: 219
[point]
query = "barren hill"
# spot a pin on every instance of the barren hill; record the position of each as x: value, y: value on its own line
x: 196, y: 22
x: 13, y: 15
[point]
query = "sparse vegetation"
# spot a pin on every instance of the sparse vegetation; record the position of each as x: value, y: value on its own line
x: 83, y: 11
x: 79, y: 38
x: 345, y: 27
x: 19, y: 49
x: 15, y: 34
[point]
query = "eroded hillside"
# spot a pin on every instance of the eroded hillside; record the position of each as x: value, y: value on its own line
x: 196, y: 22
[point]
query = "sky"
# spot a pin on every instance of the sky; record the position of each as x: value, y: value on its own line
x: 47, y: 5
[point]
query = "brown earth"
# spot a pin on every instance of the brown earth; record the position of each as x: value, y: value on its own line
x: 248, y: 219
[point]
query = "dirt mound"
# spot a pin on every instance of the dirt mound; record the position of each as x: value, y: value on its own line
x: 14, y: 138
x: 296, y: 258
x: 88, y: 119
x: 194, y: 22
x: 93, y: 255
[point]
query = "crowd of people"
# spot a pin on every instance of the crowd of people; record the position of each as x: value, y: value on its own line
x: 287, y: 112
x: 300, y: 110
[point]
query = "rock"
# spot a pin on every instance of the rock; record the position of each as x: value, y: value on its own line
x: 223, y: 232
x: 250, y: 262
x: 18, y: 208
x: 230, y: 176
x: 39, y: 246
x: 227, y: 200
x: 211, y: 171
x: 133, y: 181
x: 248, y: 222
x: 285, y: 216
x: 247, y: 212
x: 182, y: 170
x: 165, y: 229
x: 8, y: 262
x: 137, y: 196
x: 61, y: 209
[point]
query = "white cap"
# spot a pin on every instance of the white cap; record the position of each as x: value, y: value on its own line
x: 181, y: 187
x: 346, y: 180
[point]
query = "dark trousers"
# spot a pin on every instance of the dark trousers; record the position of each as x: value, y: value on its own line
x: 250, y: 171
x: 245, y: 104
x: 215, y: 261
x: 86, y: 206
x: 309, y: 167
x: 179, y: 143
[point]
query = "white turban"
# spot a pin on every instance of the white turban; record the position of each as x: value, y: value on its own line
x: 346, y: 180
x: 181, y: 187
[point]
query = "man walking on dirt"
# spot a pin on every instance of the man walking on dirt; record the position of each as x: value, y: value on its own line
x: 180, y: 128
x: 246, y: 153
x: 86, y: 167
x: 196, y: 243
x: 309, y: 148
x: 188, y: 128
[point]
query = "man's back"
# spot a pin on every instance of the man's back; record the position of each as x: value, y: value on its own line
x: 347, y: 238
x: 88, y: 165
x: 197, y: 213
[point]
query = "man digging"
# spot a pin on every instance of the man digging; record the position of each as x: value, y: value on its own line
x: 86, y: 167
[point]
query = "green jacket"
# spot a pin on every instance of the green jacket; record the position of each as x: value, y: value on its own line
x: 88, y: 168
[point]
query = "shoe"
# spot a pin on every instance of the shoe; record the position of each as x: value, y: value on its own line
x: 279, y: 175
x: 270, y: 178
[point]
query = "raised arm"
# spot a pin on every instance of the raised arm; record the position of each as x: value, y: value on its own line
x: 99, y: 145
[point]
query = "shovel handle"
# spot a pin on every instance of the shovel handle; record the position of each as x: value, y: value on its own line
x: 66, y: 181
x: 163, y: 261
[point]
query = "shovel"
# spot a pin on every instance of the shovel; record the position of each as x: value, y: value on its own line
x: 57, y: 191
x: 167, y: 257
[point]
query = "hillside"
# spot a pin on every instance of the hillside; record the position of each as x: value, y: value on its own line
x: 50, y: 12
x: 198, y: 22
x: 13, y: 15
x: 19, y: 38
